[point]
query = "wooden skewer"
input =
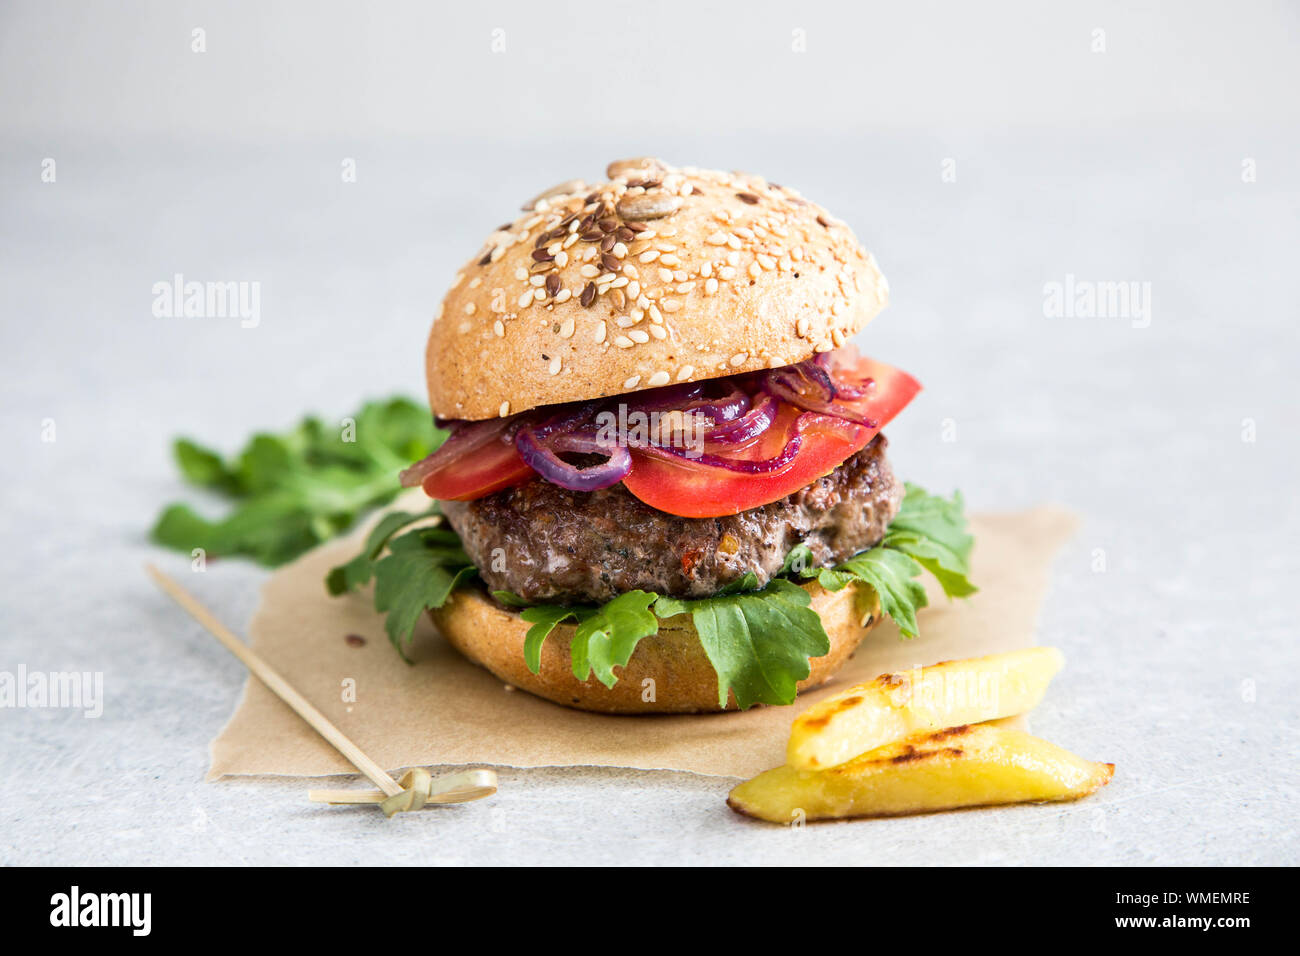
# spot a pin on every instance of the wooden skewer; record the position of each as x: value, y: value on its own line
x: 456, y: 788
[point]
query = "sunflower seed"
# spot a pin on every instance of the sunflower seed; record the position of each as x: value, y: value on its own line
x: 638, y: 164
x: 648, y: 206
x: 563, y: 189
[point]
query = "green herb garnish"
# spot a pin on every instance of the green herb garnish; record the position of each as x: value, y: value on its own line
x: 291, y: 491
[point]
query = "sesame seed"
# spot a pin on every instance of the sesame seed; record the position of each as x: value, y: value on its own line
x: 564, y: 295
x: 623, y: 342
x: 526, y: 299
x: 589, y: 272
x: 554, y: 368
x: 837, y: 337
x: 801, y: 327
x: 767, y: 262
x: 566, y: 328
x: 600, y: 332
x: 718, y: 239
x: 657, y: 379
x: 727, y: 273
x: 504, y: 410
x: 755, y: 270
x: 632, y: 382
x: 685, y: 372
x: 539, y: 294
x: 666, y: 275
x: 499, y: 328
x: 685, y: 288
x: 655, y: 315
x: 710, y: 286
x: 670, y: 260
x: 634, y: 290
x: 739, y: 358
x: 624, y: 321
x: 657, y: 331
x: 638, y: 335
x: 469, y: 308
x: 670, y: 305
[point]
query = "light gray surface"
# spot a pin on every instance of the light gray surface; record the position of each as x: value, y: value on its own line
x: 1182, y: 652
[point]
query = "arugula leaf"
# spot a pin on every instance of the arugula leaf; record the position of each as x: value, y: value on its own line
x: 758, y: 642
x: 293, y: 490
x: 891, y: 574
x: 928, y: 533
x: 419, y: 572
x: 359, y: 570
x: 933, y: 531
x: 605, y: 636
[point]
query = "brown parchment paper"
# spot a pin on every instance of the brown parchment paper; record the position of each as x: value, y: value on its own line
x: 444, y: 710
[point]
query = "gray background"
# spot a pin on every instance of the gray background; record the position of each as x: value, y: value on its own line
x: 1125, y: 164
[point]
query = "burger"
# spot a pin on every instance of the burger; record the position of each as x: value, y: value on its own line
x: 664, y: 485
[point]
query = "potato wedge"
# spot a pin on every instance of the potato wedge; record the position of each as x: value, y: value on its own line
x: 894, y: 706
x: 969, y: 766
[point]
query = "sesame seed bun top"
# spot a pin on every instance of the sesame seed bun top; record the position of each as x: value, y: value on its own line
x: 652, y: 276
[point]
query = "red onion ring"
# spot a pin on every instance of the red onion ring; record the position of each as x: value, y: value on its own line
x: 743, y: 430
x: 540, y: 455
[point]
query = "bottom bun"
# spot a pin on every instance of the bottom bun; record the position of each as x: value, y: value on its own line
x: 669, y: 668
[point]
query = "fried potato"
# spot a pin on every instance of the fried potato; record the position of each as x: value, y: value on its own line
x: 894, y: 706
x: 970, y: 766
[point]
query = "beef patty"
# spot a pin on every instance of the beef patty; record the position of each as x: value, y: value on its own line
x: 570, y: 547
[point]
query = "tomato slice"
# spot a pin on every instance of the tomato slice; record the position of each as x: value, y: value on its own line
x: 476, y: 463
x: 691, y: 490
